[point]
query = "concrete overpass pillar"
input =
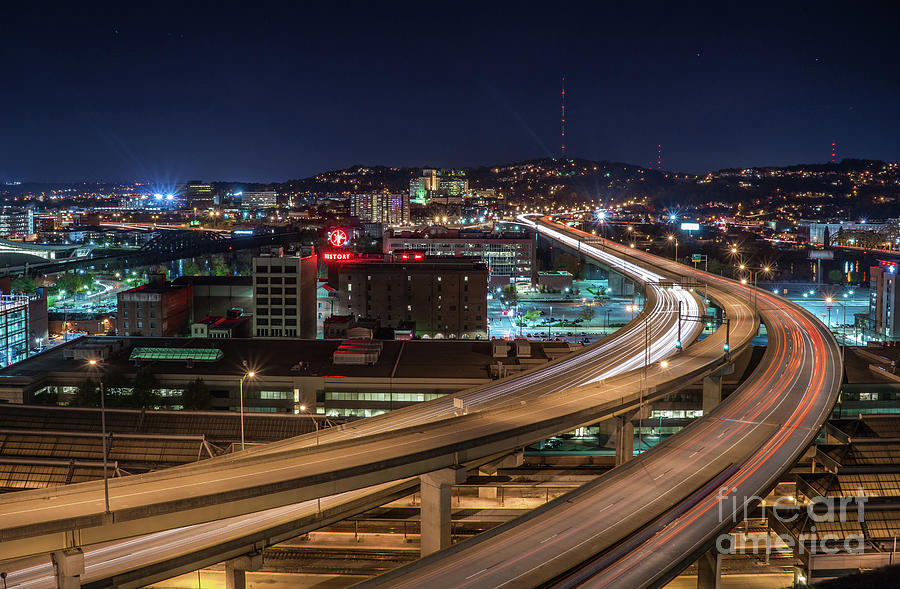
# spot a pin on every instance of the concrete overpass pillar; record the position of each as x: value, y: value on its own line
x: 709, y: 570
x: 513, y: 460
x: 624, y: 438
x: 712, y: 388
x: 487, y: 491
x: 236, y: 569
x: 436, y: 488
x: 712, y: 392
x: 69, y: 568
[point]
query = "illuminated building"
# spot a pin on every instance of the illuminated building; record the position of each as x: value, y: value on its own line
x: 16, y: 328
x: 197, y: 194
x: 391, y: 209
x: 438, y: 183
x: 284, y: 289
x: 883, y: 305
x: 509, y: 256
x: 16, y: 222
x: 260, y: 200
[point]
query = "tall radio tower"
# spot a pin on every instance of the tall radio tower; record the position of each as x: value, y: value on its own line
x: 833, y: 152
x: 659, y: 156
x: 562, y: 130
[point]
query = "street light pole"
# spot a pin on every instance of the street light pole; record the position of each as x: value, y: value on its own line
x: 248, y: 374
x: 93, y: 363
x: 316, y: 424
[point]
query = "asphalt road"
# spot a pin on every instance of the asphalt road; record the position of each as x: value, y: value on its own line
x: 403, y: 443
x: 748, y: 441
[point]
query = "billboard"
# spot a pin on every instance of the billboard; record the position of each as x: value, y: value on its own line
x: 690, y: 226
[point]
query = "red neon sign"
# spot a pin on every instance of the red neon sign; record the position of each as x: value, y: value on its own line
x: 338, y: 238
x: 336, y: 256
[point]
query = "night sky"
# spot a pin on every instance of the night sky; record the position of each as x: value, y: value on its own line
x: 264, y: 94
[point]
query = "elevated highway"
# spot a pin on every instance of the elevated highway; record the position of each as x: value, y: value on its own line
x: 641, y: 523
x: 499, y: 417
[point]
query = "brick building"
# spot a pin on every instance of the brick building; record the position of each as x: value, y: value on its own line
x: 157, y: 309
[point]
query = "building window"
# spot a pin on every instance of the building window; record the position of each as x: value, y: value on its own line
x: 262, y: 269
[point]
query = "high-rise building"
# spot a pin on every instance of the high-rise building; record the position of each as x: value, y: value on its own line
x: 446, y: 299
x: 23, y: 324
x: 438, y: 183
x: 391, y: 209
x: 885, y: 298
x: 155, y: 309
x: 265, y: 199
x: 16, y: 222
x: 197, y: 194
x: 284, y: 289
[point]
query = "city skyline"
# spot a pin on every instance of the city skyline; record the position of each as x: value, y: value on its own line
x: 269, y: 96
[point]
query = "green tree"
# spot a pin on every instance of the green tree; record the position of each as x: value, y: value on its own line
x: 196, y: 395
x: 219, y: 267
x: 190, y: 268
x: 532, y: 315
x: 23, y: 284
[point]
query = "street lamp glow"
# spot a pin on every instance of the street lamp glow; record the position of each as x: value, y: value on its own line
x: 664, y: 364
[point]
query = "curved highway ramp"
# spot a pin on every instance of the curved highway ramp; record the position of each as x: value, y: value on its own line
x: 643, y: 522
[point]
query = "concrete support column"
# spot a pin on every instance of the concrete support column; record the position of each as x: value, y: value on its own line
x: 487, y: 492
x: 513, y: 460
x: 712, y: 392
x: 709, y: 570
x: 436, y: 488
x: 624, y: 438
x: 69, y: 568
x: 236, y: 570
